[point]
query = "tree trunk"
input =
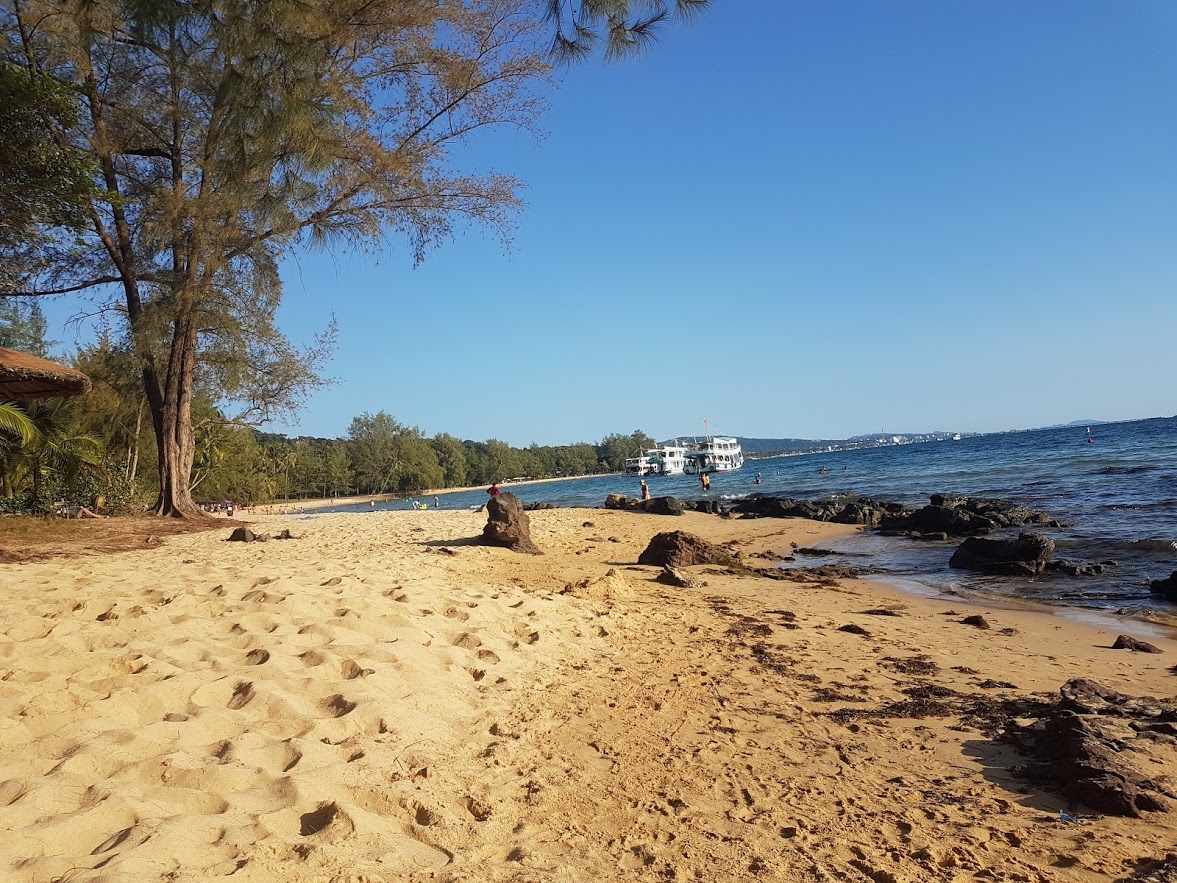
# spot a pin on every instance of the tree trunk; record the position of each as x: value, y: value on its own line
x: 175, y: 439
x: 133, y: 453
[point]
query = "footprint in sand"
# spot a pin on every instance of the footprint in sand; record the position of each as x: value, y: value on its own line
x: 351, y: 670
x: 338, y: 705
x: 477, y: 808
x: 487, y: 656
x: 455, y: 613
x: 312, y: 658
x: 327, y: 816
x: 525, y: 632
x: 242, y: 695
x: 129, y: 837
x: 467, y: 641
x: 12, y: 791
x: 477, y: 673
x: 425, y: 816
x: 257, y: 657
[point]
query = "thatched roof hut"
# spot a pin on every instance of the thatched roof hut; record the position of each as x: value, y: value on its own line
x: 24, y: 377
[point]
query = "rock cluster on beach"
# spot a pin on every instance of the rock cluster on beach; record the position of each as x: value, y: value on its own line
x: 947, y: 515
x: 1084, y: 742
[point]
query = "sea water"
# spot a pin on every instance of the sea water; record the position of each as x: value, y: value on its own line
x: 1117, y: 492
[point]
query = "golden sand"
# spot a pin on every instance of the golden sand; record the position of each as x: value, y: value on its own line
x: 379, y: 700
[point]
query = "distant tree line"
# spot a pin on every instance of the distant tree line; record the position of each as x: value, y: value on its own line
x: 101, y: 445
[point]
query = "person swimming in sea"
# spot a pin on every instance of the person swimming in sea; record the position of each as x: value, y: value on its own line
x: 756, y: 480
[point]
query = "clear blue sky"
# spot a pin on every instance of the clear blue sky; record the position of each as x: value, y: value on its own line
x: 810, y: 219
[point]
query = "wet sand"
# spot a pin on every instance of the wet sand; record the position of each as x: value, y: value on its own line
x: 379, y: 700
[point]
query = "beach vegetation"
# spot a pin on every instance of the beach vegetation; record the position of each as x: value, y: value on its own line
x: 52, y: 447
x: 224, y: 134
x: 48, y: 180
x: 23, y: 327
x: 618, y: 29
x: 615, y: 448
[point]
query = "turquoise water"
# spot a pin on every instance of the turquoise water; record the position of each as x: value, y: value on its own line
x: 1118, y: 493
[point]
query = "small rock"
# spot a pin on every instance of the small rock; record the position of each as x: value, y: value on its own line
x: 977, y: 621
x: 242, y: 535
x: 1127, y: 642
x: 671, y: 577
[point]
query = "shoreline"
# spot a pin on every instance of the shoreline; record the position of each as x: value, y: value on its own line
x: 327, y: 503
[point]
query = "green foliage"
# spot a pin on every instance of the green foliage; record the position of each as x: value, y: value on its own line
x: 53, y: 458
x: 46, y: 181
x: 23, y: 327
x: 451, y: 457
x: 614, y: 449
x: 625, y: 27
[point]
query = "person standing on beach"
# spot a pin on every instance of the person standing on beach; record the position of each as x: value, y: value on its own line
x: 705, y: 481
x: 645, y: 490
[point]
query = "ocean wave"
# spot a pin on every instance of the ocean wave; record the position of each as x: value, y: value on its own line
x: 1123, y: 470
x: 1139, y: 507
x: 1106, y: 547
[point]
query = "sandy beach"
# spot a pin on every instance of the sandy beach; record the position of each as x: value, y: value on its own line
x: 379, y: 699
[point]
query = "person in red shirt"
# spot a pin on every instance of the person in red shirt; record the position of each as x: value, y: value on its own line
x: 493, y: 490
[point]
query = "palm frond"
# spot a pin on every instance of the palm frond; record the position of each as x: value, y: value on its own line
x: 15, y: 421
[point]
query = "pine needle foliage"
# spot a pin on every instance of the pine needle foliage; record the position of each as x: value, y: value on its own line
x: 626, y: 28
x: 225, y: 133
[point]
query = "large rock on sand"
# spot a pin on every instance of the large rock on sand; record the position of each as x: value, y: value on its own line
x: 1025, y: 556
x: 508, y: 525
x: 677, y: 548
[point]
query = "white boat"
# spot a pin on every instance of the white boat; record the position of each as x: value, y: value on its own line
x: 670, y: 459
x: 641, y: 465
x: 715, y: 453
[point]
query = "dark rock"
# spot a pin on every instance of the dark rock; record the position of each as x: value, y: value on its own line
x: 285, y: 535
x: 815, y: 552
x: 949, y: 514
x: 1127, y: 642
x: 1154, y: 871
x: 671, y: 577
x: 678, y: 548
x: 1085, y: 756
x: 242, y: 535
x: 1072, y: 568
x: 588, y: 524
x: 1025, y: 556
x: 710, y: 507
x: 533, y: 507
x: 661, y: 506
x: 977, y: 621
x: 1165, y: 588
x: 654, y: 506
x: 507, y: 525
